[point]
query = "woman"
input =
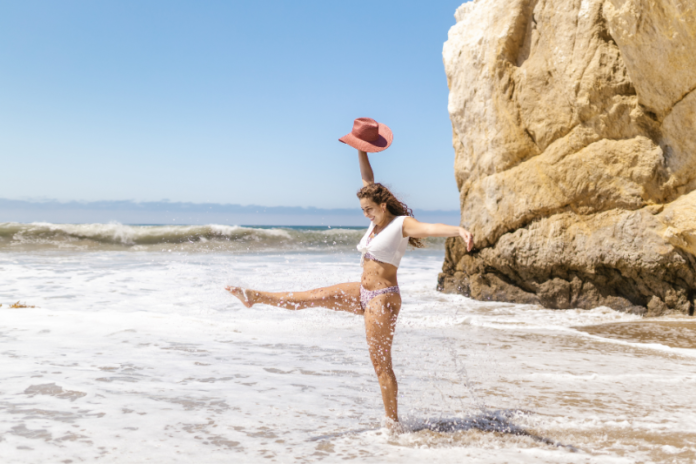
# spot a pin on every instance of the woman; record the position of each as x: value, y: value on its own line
x: 376, y: 296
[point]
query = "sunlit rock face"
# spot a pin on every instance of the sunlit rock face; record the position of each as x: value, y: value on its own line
x: 574, y: 130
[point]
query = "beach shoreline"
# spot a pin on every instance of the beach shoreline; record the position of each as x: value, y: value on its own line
x: 143, y: 356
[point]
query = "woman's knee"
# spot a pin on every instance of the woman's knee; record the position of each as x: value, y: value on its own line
x: 385, y: 374
x: 381, y: 361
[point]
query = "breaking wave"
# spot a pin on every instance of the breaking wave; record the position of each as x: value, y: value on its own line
x: 196, y: 238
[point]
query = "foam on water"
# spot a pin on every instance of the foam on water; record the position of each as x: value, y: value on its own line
x: 212, y: 237
x: 216, y: 238
x: 141, y: 356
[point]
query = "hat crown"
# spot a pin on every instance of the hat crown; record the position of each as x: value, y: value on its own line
x: 366, y: 129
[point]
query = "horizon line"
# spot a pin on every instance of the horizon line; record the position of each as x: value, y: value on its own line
x: 188, y: 206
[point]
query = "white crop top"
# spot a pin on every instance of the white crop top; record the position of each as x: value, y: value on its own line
x: 388, y: 246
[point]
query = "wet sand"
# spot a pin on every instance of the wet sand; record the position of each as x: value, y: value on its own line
x: 672, y: 333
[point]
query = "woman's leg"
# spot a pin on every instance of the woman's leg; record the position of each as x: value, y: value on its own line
x: 380, y: 323
x: 341, y: 297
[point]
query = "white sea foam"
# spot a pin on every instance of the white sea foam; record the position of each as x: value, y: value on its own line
x: 143, y: 357
x: 200, y: 238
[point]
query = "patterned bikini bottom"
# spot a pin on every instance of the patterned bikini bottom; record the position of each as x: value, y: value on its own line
x: 367, y: 295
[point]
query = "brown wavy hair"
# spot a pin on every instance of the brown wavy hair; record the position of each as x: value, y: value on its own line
x: 381, y: 194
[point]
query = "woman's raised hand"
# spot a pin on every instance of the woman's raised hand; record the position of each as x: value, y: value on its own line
x: 468, y: 238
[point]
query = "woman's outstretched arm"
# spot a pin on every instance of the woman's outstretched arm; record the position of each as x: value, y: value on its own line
x: 368, y: 177
x: 417, y: 229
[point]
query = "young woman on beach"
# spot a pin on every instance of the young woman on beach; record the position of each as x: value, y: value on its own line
x: 376, y: 296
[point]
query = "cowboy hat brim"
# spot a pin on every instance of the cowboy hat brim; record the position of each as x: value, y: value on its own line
x: 382, y: 143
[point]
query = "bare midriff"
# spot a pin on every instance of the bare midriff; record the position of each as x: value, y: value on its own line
x: 377, y: 275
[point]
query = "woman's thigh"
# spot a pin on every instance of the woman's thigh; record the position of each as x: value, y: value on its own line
x: 380, y: 322
x: 341, y: 297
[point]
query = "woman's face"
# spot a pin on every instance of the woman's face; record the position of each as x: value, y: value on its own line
x: 372, y: 210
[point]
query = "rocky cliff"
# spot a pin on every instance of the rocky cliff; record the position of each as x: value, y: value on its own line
x: 574, y: 130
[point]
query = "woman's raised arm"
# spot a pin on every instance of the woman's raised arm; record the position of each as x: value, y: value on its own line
x: 368, y: 177
x: 417, y: 229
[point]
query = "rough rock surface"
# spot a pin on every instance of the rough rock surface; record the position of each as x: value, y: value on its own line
x: 574, y: 129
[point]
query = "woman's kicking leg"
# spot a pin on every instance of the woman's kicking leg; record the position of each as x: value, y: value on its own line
x: 341, y: 297
x: 380, y: 323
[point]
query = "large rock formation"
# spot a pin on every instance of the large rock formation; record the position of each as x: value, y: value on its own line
x: 574, y: 129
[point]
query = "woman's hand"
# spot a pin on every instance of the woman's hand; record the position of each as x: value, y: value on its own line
x: 467, y: 237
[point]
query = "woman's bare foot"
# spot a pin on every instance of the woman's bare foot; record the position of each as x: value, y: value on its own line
x: 242, y: 294
x: 394, y: 427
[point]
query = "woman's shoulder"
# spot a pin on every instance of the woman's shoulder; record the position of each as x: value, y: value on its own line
x: 403, y: 219
x: 398, y: 221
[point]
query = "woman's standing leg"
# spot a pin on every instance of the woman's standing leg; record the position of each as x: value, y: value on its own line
x: 341, y: 297
x: 380, y: 323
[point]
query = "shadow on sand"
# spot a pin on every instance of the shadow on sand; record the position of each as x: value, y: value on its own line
x: 487, y: 421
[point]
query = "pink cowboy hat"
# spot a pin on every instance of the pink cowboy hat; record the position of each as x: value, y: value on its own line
x: 368, y: 135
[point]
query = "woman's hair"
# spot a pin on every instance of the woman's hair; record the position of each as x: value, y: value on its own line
x: 381, y: 194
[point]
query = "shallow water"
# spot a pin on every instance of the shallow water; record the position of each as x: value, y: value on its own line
x: 677, y: 333
x: 142, y: 357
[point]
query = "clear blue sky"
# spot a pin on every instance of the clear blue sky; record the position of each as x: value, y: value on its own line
x: 222, y: 101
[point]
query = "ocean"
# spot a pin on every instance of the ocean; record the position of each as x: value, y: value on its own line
x: 125, y: 348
